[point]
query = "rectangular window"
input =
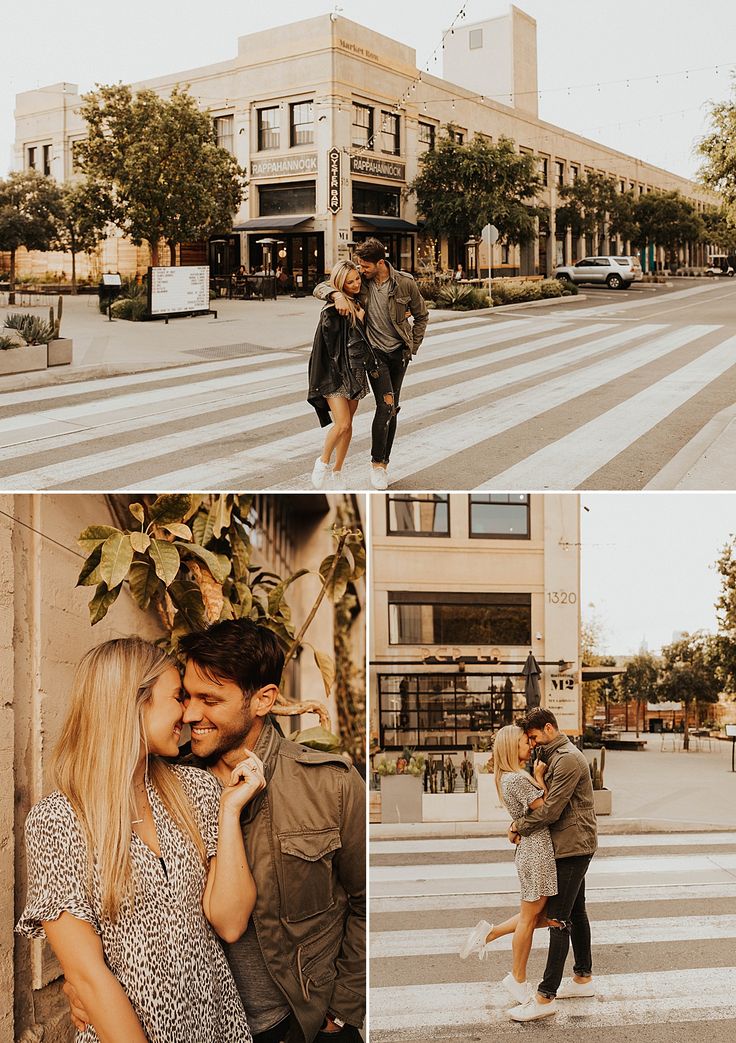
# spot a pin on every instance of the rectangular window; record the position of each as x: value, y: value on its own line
x: 499, y: 516
x: 427, y: 618
x: 574, y: 173
x: 268, y: 128
x: 31, y: 163
x: 543, y: 169
x: 362, y: 126
x: 301, y: 123
x: 622, y: 187
x: 427, y: 135
x: 47, y: 160
x: 559, y: 173
x: 390, y: 133
x: 418, y: 514
x: 376, y: 199
x: 296, y: 198
x: 458, y: 136
x: 224, y: 133
x: 475, y: 39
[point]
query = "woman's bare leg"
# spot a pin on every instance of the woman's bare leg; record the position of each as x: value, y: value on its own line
x: 343, y: 444
x: 521, y: 944
x: 342, y: 420
x: 509, y: 926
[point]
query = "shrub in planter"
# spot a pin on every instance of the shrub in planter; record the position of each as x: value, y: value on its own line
x: 129, y: 308
x: 6, y: 343
x: 462, y: 298
x: 429, y: 288
x: 32, y: 329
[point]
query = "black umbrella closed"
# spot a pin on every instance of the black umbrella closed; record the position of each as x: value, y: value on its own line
x: 508, y: 701
x: 531, y: 673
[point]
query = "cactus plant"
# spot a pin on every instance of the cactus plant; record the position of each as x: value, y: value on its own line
x: 32, y: 329
x: 450, y: 777
x: 55, y: 320
x: 467, y: 771
x: 596, y: 774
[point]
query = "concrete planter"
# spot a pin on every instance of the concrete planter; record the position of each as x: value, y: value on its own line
x: 490, y: 808
x: 450, y: 807
x: 602, y: 801
x: 60, y: 351
x: 480, y: 759
x: 401, y: 798
x: 23, y: 360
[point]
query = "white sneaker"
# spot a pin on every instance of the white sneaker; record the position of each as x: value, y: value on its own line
x: 320, y: 472
x: 476, y: 940
x: 337, y: 482
x: 379, y: 478
x: 572, y: 989
x: 520, y: 990
x: 533, y: 1010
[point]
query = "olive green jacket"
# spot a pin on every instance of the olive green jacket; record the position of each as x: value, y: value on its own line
x: 568, y: 807
x: 305, y: 842
x: 404, y: 300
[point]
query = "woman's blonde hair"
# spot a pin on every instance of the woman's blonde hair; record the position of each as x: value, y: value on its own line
x: 97, y: 755
x: 338, y: 275
x: 506, y: 754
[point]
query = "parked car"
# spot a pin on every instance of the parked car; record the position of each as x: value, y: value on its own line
x: 615, y: 272
x: 721, y: 265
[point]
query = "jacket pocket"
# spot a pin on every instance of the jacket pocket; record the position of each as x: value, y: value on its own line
x: 306, y: 859
x: 400, y: 305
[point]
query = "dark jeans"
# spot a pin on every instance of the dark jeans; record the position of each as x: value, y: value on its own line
x: 386, y: 379
x: 279, y: 1034
x: 568, y: 907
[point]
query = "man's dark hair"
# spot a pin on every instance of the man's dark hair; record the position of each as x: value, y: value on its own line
x: 537, y: 718
x: 236, y: 650
x: 371, y: 250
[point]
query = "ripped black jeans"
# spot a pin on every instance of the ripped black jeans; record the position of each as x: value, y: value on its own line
x: 386, y: 378
x: 568, y: 908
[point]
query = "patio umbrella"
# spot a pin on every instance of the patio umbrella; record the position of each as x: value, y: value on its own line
x: 530, y: 672
x: 508, y: 701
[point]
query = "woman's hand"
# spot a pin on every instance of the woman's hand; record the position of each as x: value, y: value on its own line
x: 341, y: 305
x: 246, y: 781
x: 360, y: 312
x: 539, y: 769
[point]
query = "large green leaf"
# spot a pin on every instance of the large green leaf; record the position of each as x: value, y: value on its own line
x: 166, y: 560
x: 179, y: 529
x: 90, y: 574
x: 218, y: 564
x: 187, y: 599
x: 326, y: 666
x: 140, y: 541
x: 317, y: 739
x: 246, y: 599
x: 218, y: 518
x: 240, y: 553
x: 100, y: 603
x: 279, y: 630
x: 275, y: 597
x: 94, y: 536
x: 338, y: 582
x: 143, y: 583
x: 117, y: 557
x: 358, y: 553
x: 199, y: 524
x: 170, y: 507
x: 136, y: 509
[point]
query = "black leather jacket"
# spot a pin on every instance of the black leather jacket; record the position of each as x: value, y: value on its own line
x: 338, y: 361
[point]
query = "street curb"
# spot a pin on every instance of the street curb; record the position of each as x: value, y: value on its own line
x: 694, y: 450
x: 606, y: 827
x: 447, y: 313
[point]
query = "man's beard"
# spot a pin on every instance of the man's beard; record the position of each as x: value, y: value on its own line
x: 231, y: 738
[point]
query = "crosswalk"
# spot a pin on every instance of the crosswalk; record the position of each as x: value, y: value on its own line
x: 559, y: 400
x: 663, y: 918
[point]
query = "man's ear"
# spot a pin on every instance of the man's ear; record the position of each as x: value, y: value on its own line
x: 262, y: 701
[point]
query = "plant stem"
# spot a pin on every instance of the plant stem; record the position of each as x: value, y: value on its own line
x: 320, y: 597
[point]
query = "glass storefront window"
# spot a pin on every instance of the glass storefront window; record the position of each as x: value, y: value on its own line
x: 500, y: 515
x: 362, y: 126
x: 425, y: 618
x: 420, y: 514
x: 302, y: 123
x: 268, y: 128
x: 296, y: 198
x: 376, y: 199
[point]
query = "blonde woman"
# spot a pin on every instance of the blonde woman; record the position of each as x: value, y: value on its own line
x: 338, y: 377
x: 131, y: 860
x: 534, y: 859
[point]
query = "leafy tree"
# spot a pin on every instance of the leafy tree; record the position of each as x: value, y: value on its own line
x: 690, y: 673
x: 726, y: 614
x: 669, y: 220
x: 591, y: 637
x: 168, y: 178
x: 29, y: 207
x: 588, y: 202
x: 718, y: 150
x: 638, y: 682
x: 460, y: 188
x: 720, y: 227
x: 83, y: 216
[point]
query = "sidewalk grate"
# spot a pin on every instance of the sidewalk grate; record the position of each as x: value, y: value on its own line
x: 227, y: 351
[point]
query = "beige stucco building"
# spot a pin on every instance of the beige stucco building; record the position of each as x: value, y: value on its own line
x: 463, y: 588
x: 330, y: 120
x: 44, y: 631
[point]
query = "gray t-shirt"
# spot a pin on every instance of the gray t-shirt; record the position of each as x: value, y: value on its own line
x: 379, y: 327
x: 264, y: 1002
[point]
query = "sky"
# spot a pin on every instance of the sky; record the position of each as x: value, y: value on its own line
x: 648, y: 564
x: 667, y: 50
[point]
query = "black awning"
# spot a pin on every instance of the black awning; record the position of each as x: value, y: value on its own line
x: 388, y: 224
x: 278, y: 223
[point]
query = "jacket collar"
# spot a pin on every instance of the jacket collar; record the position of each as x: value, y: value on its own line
x: 551, y: 747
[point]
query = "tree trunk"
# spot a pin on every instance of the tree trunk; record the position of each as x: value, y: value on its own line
x: 636, y: 711
x: 11, y: 280
x: 154, y: 253
x: 685, y: 732
x: 626, y: 715
x: 172, y: 254
x: 74, y: 272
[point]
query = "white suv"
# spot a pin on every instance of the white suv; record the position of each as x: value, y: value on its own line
x: 614, y: 272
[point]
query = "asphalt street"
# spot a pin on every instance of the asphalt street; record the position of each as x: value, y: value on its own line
x: 663, y: 916
x: 595, y: 394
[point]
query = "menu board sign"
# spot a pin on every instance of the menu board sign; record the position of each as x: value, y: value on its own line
x: 179, y: 291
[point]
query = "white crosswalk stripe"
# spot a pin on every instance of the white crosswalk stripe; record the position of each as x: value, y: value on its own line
x: 673, y: 895
x: 239, y: 421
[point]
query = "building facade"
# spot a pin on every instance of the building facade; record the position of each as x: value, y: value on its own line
x: 45, y: 630
x: 463, y: 588
x: 330, y: 121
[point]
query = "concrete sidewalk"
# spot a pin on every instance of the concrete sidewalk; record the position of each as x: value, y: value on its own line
x: 654, y: 791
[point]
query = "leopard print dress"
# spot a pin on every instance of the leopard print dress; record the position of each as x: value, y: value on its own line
x: 162, y: 951
x: 535, y: 855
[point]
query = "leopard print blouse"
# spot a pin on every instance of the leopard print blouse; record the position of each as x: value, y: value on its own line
x: 162, y: 951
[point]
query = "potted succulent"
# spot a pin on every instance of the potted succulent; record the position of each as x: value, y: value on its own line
x: 602, y: 797
x: 59, y: 348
